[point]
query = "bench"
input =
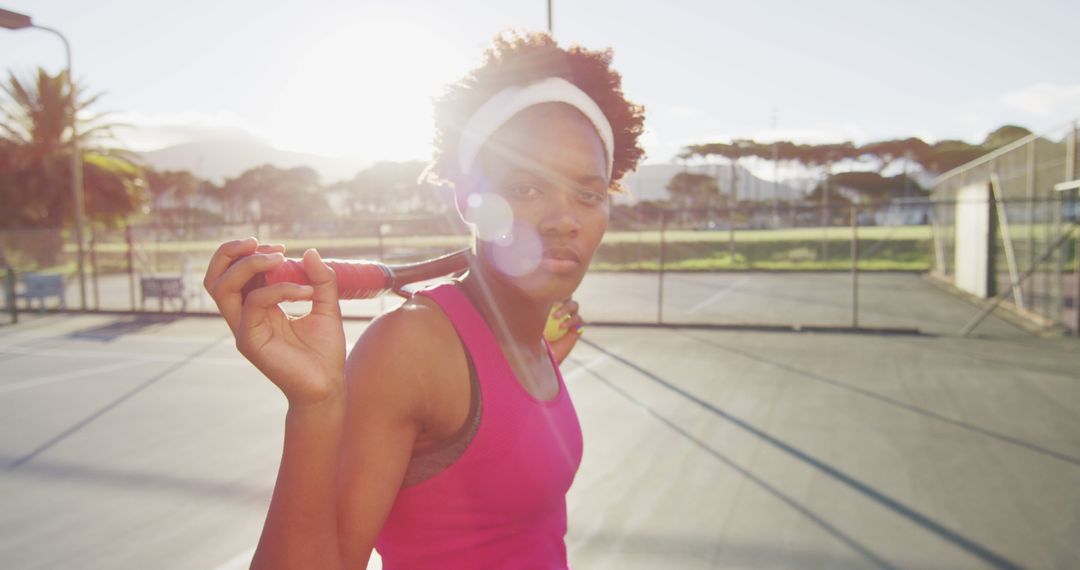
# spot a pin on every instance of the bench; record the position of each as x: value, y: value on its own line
x: 164, y: 289
x: 42, y: 286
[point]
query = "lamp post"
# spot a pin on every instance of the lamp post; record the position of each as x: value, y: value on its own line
x: 15, y: 21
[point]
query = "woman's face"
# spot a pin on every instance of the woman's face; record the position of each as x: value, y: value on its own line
x: 539, y: 201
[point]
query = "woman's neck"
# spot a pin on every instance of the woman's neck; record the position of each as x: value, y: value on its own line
x: 517, y: 321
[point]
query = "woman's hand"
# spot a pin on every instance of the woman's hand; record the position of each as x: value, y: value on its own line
x: 574, y: 326
x: 305, y: 356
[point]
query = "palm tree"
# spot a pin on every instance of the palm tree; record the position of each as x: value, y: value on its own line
x: 35, y: 156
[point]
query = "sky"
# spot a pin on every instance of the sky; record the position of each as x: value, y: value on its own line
x: 356, y: 78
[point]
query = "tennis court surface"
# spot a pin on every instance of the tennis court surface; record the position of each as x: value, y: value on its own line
x: 148, y: 442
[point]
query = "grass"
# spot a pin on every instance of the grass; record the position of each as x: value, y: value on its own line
x: 612, y: 237
x: 895, y: 248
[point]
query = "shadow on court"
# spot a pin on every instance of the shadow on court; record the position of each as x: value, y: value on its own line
x: 123, y: 326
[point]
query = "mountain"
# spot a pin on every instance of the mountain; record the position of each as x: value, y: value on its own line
x: 650, y: 183
x: 217, y: 159
x: 223, y: 158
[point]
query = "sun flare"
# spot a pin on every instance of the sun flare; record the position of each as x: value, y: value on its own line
x: 365, y: 91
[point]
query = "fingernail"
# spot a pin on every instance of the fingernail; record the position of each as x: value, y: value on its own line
x: 580, y: 329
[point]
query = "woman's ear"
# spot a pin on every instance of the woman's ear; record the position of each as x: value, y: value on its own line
x: 461, y: 202
x: 467, y: 190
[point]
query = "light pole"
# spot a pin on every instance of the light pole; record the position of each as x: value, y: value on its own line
x: 15, y: 21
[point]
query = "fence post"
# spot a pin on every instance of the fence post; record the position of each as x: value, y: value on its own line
x: 660, y: 273
x: 382, y: 259
x: 130, y: 264
x: 94, y: 268
x: 1031, y: 216
x: 854, y: 266
x: 731, y: 234
x: 1070, y: 174
x: 13, y: 301
x: 825, y: 217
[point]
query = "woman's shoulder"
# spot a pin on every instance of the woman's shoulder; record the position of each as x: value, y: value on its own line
x: 418, y: 324
x: 407, y: 351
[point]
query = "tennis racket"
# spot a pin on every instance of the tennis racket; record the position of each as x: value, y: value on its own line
x: 366, y: 279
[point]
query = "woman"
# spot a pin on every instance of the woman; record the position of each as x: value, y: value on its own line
x: 447, y: 439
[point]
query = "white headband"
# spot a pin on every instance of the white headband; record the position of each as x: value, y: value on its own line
x: 513, y: 100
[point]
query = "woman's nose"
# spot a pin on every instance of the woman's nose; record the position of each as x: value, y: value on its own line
x: 561, y: 216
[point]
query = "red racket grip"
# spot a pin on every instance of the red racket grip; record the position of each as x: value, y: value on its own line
x: 355, y: 279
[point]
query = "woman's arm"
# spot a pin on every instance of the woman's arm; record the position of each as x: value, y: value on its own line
x: 387, y: 375
x: 301, y: 529
x: 350, y: 428
x: 305, y: 358
x: 343, y: 465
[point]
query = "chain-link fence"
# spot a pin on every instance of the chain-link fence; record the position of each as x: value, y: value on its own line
x: 847, y: 263
x: 738, y: 266
x: 1004, y: 227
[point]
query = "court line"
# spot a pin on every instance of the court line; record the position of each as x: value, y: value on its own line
x: 178, y: 364
x: 112, y: 354
x: 895, y: 402
x: 33, y: 382
x: 95, y: 337
x: 719, y: 294
x: 828, y: 527
x: 984, y: 553
x: 583, y: 368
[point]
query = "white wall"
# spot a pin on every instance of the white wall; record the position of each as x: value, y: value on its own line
x: 972, y: 238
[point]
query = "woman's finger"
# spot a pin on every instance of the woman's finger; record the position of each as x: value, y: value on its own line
x: 225, y: 255
x: 573, y: 323
x: 270, y: 248
x: 568, y: 307
x: 227, y: 290
x: 257, y: 306
x: 321, y: 277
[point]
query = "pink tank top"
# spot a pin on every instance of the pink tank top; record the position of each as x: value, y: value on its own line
x: 502, y: 503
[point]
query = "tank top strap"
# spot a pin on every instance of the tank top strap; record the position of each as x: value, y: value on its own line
x: 477, y: 337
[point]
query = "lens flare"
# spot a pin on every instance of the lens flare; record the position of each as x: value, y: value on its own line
x: 518, y: 255
x: 491, y: 216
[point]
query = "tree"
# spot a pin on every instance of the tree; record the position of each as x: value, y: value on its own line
x: 933, y: 158
x: 392, y: 188
x: 181, y: 201
x: 268, y: 194
x: 873, y: 187
x: 691, y: 190
x: 35, y: 156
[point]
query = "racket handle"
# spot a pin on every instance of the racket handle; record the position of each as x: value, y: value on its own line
x: 355, y: 279
x: 365, y: 279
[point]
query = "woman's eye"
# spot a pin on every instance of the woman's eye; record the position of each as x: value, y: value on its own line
x: 591, y: 197
x: 524, y: 191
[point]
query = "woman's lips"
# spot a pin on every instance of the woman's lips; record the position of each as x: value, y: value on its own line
x: 560, y: 260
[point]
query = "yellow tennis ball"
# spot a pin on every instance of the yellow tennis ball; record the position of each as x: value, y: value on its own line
x: 552, y: 330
